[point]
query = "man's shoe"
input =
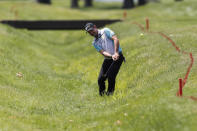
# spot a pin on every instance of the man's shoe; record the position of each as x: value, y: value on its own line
x: 102, y: 93
x: 109, y: 93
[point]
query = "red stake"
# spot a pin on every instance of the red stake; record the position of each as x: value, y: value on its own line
x: 124, y: 15
x: 147, y: 24
x: 180, y: 87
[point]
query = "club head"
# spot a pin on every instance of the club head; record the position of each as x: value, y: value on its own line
x: 105, y: 75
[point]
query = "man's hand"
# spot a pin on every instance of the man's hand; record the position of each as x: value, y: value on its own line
x: 115, y: 57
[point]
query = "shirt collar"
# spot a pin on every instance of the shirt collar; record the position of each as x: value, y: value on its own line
x: 99, y: 34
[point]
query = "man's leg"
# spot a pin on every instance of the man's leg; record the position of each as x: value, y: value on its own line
x: 112, y: 75
x: 101, y: 79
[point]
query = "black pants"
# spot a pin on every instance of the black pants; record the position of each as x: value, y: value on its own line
x: 113, y: 67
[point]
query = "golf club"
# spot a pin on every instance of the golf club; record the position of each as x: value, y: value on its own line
x: 105, y: 75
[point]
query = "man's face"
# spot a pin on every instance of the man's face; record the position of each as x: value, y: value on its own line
x: 93, y: 32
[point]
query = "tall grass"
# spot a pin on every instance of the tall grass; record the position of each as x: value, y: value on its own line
x: 58, y: 87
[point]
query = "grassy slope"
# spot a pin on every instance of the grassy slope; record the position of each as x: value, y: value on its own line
x: 59, y: 89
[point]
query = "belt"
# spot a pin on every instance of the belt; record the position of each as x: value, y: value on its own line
x: 120, y: 53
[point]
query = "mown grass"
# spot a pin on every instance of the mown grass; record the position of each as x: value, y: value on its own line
x: 58, y: 90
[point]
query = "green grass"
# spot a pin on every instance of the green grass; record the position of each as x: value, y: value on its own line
x: 58, y: 90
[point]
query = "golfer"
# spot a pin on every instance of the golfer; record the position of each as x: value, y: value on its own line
x: 107, y: 44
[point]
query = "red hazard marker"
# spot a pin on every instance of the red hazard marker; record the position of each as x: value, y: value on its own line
x: 16, y: 14
x: 147, y: 24
x: 124, y: 15
x: 180, y: 87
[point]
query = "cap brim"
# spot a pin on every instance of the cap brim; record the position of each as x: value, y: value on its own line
x: 89, y: 29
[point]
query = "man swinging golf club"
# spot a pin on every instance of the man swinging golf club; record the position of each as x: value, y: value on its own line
x: 107, y: 43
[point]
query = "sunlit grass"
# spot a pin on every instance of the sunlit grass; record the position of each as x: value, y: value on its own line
x: 57, y: 88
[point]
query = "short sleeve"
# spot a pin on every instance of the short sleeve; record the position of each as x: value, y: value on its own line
x: 109, y: 32
x: 98, y: 48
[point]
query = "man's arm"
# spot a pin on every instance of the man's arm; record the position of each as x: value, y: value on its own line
x: 116, y: 48
x: 105, y: 53
x: 116, y: 43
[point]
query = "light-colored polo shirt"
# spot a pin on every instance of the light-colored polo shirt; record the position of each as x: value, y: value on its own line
x: 104, y: 41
